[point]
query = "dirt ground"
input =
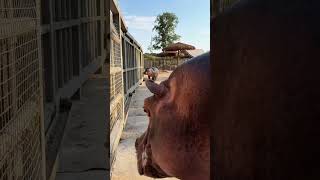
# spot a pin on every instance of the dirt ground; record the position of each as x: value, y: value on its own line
x: 125, y: 165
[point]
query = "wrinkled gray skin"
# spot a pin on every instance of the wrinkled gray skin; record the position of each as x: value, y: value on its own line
x: 266, y: 91
x: 152, y: 73
x: 176, y: 143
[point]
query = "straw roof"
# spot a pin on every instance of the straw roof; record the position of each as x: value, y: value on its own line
x: 167, y: 54
x: 178, y: 46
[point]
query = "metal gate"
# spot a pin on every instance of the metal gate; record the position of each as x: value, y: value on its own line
x: 21, y: 124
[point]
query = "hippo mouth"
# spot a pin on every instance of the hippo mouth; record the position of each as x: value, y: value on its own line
x: 151, y: 170
x: 146, y: 165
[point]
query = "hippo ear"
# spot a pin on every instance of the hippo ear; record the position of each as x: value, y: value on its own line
x: 155, y: 88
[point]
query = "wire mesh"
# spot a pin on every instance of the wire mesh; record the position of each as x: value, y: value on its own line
x: 20, y: 100
x: 17, y: 16
x: 116, y: 55
x: 116, y: 114
x: 112, y: 87
x: 116, y: 85
x: 163, y: 63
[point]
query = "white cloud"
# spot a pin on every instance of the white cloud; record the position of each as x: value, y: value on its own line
x: 144, y: 23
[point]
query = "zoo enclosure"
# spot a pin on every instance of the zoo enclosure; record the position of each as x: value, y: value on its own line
x: 44, y: 59
x: 132, y: 56
x: 72, y: 50
x: 163, y: 63
x: 21, y: 124
x: 126, y: 68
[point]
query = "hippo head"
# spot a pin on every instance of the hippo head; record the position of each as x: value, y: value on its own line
x: 176, y: 142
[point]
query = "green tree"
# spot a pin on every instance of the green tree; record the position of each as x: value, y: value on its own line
x: 165, y: 25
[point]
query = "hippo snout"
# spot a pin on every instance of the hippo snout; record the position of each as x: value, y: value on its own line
x: 145, y: 164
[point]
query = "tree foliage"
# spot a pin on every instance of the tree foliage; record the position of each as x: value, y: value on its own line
x: 165, y: 25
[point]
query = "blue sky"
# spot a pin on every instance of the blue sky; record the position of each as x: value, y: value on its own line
x: 194, y: 20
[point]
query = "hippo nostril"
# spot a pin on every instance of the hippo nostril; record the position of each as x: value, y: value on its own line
x: 147, y: 111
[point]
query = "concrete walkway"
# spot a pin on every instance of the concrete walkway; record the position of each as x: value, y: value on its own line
x: 83, y: 154
x: 125, y: 165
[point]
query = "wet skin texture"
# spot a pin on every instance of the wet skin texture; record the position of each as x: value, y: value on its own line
x: 152, y: 73
x: 177, y: 142
x: 266, y: 87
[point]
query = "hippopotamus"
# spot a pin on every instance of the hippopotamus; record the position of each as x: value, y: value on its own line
x: 152, y: 72
x: 177, y: 140
x: 266, y: 91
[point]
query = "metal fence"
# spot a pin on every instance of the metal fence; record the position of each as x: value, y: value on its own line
x: 132, y: 56
x: 116, y: 84
x: 126, y: 64
x: 163, y: 63
x: 72, y: 50
x: 21, y: 123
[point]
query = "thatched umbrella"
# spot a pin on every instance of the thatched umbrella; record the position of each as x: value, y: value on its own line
x: 178, y: 47
x: 167, y: 54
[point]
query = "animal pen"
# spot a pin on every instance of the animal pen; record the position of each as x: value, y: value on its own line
x: 72, y: 34
x: 171, y: 56
x: 48, y: 50
x: 21, y: 124
x: 126, y: 72
x: 163, y: 63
